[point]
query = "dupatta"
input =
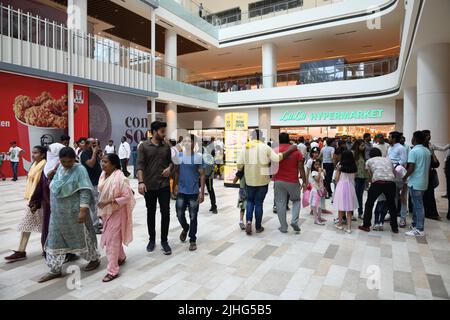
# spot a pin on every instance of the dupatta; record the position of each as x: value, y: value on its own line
x: 66, y: 183
x: 113, y: 188
x: 34, y: 177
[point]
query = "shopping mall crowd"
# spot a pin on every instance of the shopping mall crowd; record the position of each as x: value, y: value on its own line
x: 75, y: 193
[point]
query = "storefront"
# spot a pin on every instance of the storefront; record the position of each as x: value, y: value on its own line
x: 337, y: 120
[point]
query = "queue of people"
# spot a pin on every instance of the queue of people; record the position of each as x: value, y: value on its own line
x: 75, y: 194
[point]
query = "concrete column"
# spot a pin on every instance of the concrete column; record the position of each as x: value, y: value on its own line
x: 77, y: 21
x: 171, y: 119
x: 77, y: 15
x: 269, y: 65
x: 170, y: 54
x: 70, y: 114
x: 409, y: 113
x: 399, y: 124
x: 153, y: 56
x: 433, y: 96
x: 264, y: 123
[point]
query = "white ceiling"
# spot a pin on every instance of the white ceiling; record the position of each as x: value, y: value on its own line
x: 324, y: 43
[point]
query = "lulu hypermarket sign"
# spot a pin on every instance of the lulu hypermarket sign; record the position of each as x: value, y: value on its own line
x: 334, y: 115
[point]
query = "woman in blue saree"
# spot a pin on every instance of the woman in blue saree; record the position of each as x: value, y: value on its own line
x: 70, y: 228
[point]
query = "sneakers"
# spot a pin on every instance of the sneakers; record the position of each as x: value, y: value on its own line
x: 248, y: 228
x: 16, y: 256
x: 92, y: 265
x: 402, y: 223
x: 380, y: 227
x: 295, y: 227
x: 151, y: 246
x: 339, y: 227
x: 166, y: 248
x: 319, y: 222
x: 348, y: 231
x: 415, y: 233
x: 260, y: 230
x: 183, y: 236
x: 375, y: 227
x: 192, y: 246
x: 242, y: 225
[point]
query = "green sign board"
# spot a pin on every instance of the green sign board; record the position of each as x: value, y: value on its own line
x: 336, y: 115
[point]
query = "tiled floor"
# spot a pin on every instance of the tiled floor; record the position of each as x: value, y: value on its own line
x: 319, y: 263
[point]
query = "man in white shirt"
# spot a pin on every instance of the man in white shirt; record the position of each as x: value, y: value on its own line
x: 124, y: 155
x: 302, y: 147
x: 110, y: 148
x: 381, y: 144
x: 14, y: 157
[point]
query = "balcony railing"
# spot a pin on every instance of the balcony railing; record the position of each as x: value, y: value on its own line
x: 34, y: 42
x: 260, y: 13
x: 361, y: 70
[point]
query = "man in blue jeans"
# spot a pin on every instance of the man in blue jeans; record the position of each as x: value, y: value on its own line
x: 14, y: 157
x: 419, y: 161
x: 188, y: 172
x: 255, y: 160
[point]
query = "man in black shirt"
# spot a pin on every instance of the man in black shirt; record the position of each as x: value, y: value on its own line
x: 154, y: 165
x: 90, y: 159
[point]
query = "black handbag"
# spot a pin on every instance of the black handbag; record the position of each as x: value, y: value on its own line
x: 434, y: 179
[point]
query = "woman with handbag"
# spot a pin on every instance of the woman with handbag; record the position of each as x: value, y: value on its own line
x: 429, y: 200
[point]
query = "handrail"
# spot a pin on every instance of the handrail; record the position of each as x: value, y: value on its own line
x: 360, y: 70
x: 30, y: 28
x: 254, y: 14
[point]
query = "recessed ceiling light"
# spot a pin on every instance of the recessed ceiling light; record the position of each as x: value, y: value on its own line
x: 115, y: 10
x: 302, y: 40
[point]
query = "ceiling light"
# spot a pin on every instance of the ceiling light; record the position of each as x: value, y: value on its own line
x: 301, y: 40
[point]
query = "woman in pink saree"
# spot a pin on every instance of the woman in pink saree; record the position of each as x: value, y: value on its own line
x: 116, y: 203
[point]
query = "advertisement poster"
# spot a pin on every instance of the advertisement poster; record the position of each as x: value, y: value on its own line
x: 33, y: 112
x: 236, y: 134
x: 114, y: 115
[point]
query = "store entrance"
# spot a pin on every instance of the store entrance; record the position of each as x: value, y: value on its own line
x: 339, y: 132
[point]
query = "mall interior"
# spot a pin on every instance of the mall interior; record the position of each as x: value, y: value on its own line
x: 311, y: 68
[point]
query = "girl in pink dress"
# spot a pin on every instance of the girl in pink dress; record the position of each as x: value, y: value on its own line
x: 345, y: 199
x: 116, y: 203
x: 318, y: 191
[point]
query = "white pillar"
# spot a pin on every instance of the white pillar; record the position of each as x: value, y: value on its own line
x: 265, y: 123
x: 433, y: 96
x: 70, y: 114
x: 269, y: 65
x: 170, y: 54
x: 77, y: 15
x: 171, y: 119
x: 409, y: 113
x: 153, y: 59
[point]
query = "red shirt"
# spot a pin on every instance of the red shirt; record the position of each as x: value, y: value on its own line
x: 288, y: 167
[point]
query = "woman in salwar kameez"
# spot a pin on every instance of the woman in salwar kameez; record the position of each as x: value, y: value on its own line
x: 70, y: 228
x: 32, y: 220
x: 116, y: 203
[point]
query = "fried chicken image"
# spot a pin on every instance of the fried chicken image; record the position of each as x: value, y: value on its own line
x: 43, y: 111
x: 21, y: 104
x: 42, y: 117
x: 42, y: 98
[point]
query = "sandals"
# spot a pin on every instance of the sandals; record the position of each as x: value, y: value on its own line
x: 109, y: 277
